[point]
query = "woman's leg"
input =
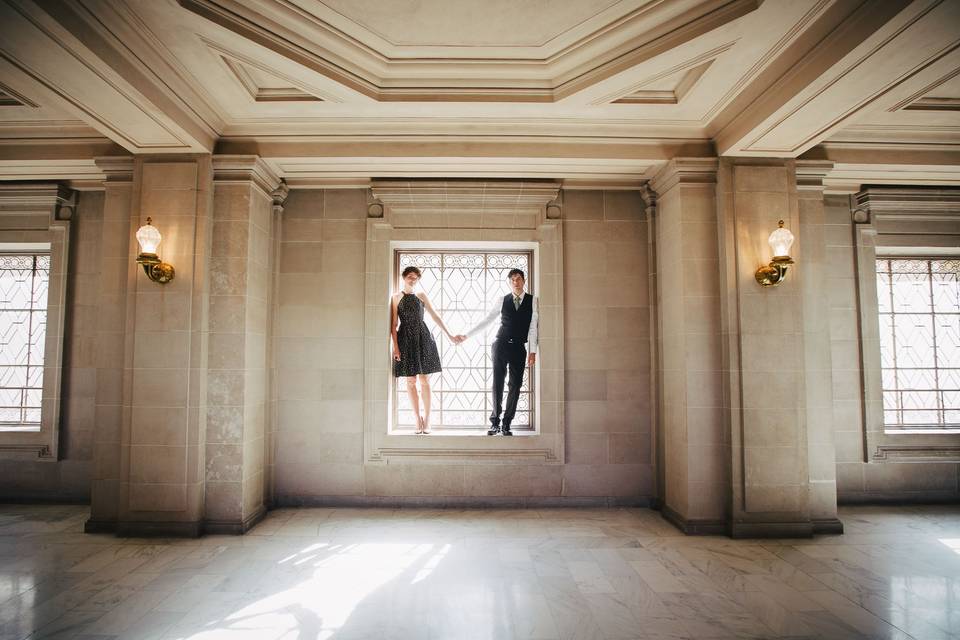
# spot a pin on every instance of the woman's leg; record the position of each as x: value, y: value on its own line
x: 414, y: 400
x: 425, y: 392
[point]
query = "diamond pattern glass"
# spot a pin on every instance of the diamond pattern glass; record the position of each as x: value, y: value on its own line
x: 461, y: 285
x: 24, y: 280
x: 919, y: 306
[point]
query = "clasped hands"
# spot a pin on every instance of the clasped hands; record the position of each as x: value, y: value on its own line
x: 457, y: 339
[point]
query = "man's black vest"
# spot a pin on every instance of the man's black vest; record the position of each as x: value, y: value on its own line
x: 515, y: 323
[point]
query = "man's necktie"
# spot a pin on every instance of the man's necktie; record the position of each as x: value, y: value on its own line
x: 516, y: 302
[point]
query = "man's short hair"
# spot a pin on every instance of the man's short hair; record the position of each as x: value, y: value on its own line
x: 516, y: 272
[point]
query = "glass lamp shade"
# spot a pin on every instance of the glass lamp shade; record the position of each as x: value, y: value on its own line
x: 149, y: 238
x: 780, y: 242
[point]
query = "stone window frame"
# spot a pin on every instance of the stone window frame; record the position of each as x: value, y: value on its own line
x: 467, y: 247
x: 381, y: 446
x: 31, y: 216
x: 898, y: 221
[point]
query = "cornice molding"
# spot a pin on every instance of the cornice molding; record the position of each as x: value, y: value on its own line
x: 811, y: 173
x: 231, y: 169
x: 909, y: 203
x: 477, y: 196
x: 54, y: 200
x: 116, y: 169
x: 685, y: 171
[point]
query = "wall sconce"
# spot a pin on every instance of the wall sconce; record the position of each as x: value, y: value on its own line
x: 149, y: 239
x: 780, y: 241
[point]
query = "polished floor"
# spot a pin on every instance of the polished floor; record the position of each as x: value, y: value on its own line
x: 479, y: 574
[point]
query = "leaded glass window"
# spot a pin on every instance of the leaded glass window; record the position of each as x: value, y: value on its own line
x: 461, y: 285
x: 23, y: 319
x: 919, y: 305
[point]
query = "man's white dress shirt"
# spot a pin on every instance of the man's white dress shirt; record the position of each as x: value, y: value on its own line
x: 495, y: 308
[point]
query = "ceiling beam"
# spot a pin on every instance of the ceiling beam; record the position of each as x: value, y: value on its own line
x: 51, y: 54
x: 857, y: 58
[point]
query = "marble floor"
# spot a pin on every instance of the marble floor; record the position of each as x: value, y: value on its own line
x: 478, y: 574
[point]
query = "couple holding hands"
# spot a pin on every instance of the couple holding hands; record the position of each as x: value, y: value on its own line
x: 416, y: 356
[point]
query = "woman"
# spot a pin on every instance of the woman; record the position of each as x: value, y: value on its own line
x: 415, y: 353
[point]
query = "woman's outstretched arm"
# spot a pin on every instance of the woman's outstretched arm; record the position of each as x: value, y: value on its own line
x: 434, y: 314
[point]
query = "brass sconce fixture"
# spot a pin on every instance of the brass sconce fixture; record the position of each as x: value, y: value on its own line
x: 780, y: 241
x: 149, y: 239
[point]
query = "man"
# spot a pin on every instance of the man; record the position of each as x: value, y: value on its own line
x: 519, y: 318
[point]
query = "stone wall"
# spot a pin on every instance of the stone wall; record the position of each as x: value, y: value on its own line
x: 68, y: 479
x: 319, y: 452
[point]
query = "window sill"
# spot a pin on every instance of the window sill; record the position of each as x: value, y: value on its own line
x: 19, y: 428
x: 460, y: 433
x: 908, y: 432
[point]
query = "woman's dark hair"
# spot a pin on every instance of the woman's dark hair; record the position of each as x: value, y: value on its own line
x: 514, y: 272
x: 410, y: 270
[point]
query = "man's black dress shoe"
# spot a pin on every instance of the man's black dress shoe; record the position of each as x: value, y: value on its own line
x: 494, y: 430
x: 506, y: 430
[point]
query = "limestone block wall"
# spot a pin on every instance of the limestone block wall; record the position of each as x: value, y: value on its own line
x: 860, y: 478
x: 318, y: 452
x: 69, y: 477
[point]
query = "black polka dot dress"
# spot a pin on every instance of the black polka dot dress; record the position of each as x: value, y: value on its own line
x: 418, y: 351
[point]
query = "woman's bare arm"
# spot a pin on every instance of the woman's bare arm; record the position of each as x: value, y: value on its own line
x: 434, y: 314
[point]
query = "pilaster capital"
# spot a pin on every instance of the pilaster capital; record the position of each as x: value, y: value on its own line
x: 811, y: 174
x: 685, y: 171
x: 279, y: 196
x: 117, y: 170
x: 236, y: 169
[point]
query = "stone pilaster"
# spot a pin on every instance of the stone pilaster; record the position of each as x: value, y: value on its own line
x: 776, y: 353
x: 151, y: 394
x: 246, y: 195
x: 693, y: 446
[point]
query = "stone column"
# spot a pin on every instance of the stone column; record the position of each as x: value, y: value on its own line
x: 690, y: 432
x: 776, y: 357
x: 151, y: 393
x: 246, y: 192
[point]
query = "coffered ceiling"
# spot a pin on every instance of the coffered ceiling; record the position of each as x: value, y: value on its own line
x: 341, y: 90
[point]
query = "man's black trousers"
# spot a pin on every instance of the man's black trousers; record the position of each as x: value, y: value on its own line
x: 507, y: 353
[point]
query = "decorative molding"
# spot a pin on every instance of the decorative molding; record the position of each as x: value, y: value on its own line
x: 811, y: 174
x: 31, y: 451
x: 934, y: 104
x: 930, y: 203
x: 12, y: 98
x: 375, y: 209
x: 918, y: 452
x: 685, y: 171
x: 475, y: 196
x: 232, y: 169
x: 538, y: 75
x: 685, y: 81
x: 116, y: 169
x: 54, y: 200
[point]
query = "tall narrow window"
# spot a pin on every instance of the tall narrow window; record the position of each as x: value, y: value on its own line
x: 23, y: 321
x: 919, y: 305
x: 461, y: 286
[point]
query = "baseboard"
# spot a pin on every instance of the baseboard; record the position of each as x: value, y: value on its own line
x: 44, y: 498
x: 800, y: 529
x: 827, y: 525
x: 159, y: 529
x: 225, y: 527
x: 848, y: 498
x: 460, y: 502
x: 100, y: 526
x: 694, y: 527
